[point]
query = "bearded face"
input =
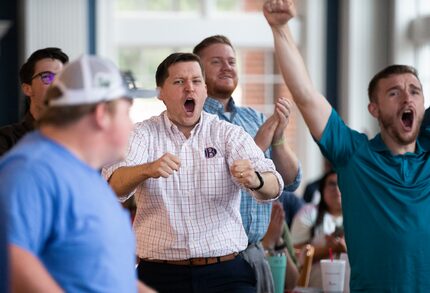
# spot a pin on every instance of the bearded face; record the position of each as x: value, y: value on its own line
x: 399, y: 108
x: 219, y: 61
x: 387, y: 122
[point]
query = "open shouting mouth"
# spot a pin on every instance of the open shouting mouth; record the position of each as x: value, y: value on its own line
x: 189, y: 105
x: 407, y: 119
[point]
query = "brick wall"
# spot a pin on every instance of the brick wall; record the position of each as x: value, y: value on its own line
x: 254, y: 89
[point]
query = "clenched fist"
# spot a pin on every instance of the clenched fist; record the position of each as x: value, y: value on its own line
x: 164, y: 166
x: 279, y: 12
x: 244, y: 173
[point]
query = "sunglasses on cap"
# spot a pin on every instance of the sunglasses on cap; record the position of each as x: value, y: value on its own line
x: 47, y: 77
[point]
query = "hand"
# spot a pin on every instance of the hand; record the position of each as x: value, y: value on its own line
x: 264, y: 136
x: 243, y: 172
x: 276, y: 226
x: 164, y: 166
x: 282, y: 113
x: 337, y: 244
x: 279, y: 12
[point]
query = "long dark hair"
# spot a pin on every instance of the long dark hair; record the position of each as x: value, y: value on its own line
x: 322, y: 208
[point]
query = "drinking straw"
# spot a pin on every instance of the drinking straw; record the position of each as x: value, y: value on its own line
x: 330, y: 252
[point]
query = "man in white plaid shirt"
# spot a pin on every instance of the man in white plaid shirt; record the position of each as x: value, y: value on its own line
x: 186, y: 168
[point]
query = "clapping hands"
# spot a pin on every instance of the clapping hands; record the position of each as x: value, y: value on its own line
x: 273, y: 129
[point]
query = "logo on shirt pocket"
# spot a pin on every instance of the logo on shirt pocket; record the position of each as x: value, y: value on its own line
x: 210, y: 152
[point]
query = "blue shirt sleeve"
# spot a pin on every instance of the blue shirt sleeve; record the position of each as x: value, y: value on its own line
x: 338, y: 142
x: 30, y: 207
x: 295, y: 184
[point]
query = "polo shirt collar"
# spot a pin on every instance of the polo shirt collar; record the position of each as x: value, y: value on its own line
x: 378, y: 145
x: 214, y: 106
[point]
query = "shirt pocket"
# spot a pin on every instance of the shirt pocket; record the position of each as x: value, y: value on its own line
x: 215, y: 179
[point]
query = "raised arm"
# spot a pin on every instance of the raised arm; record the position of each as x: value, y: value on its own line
x: 286, y: 161
x: 313, y: 106
x: 124, y: 180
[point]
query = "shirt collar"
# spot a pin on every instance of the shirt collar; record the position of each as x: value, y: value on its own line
x: 174, y: 129
x: 215, y: 107
x: 378, y: 145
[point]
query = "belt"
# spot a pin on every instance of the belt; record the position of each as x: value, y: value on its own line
x: 198, y: 261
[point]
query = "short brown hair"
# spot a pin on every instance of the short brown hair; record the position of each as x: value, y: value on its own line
x: 65, y: 115
x: 386, y: 72
x: 27, y: 69
x: 163, y: 69
x: 216, y: 39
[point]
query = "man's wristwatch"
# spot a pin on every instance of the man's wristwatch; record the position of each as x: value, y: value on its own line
x: 261, y: 182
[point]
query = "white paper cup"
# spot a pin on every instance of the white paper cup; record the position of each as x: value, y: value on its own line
x: 333, y: 275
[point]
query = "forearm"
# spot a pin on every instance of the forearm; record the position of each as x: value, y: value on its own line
x: 286, y: 162
x: 125, y: 179
x: 28, y: 273
x: 263, y: 138
x: 270, y: 189
x: 292, y: 65
x: 313, y: 106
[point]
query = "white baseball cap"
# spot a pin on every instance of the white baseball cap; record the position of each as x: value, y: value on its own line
x: 91, y: 79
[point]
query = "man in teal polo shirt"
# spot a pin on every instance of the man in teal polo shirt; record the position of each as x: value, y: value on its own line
x: 384, y: 181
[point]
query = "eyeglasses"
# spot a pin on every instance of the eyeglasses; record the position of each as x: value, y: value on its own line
x: 47, y: 77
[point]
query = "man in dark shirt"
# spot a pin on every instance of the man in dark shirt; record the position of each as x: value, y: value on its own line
x: 36, y: 75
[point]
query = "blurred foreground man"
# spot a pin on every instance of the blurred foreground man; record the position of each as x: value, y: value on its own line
x: 67, y: 232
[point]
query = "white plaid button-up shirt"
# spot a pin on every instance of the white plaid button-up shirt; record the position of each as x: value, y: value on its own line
x: 195, y: 211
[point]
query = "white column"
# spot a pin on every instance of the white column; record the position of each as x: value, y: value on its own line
x: 56, y: 23
x: 365, y: 51
x: 313, y: 48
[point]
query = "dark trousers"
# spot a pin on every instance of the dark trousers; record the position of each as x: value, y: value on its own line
x: 234, y: 276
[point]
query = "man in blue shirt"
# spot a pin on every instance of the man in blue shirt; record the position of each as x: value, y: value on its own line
x: 219, y: 60
x: 384, y: 181
x: 67, y: 232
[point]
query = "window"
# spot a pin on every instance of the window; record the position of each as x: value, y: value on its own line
x: 157, y: 5
x: 141, y: 51
x: 412, y: 38
x: 138, y: 34
x: 423, y: 50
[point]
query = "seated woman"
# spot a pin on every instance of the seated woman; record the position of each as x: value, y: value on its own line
x: 321, y: 226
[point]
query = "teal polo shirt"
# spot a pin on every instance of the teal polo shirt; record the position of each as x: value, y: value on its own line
x: 386, y: 207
